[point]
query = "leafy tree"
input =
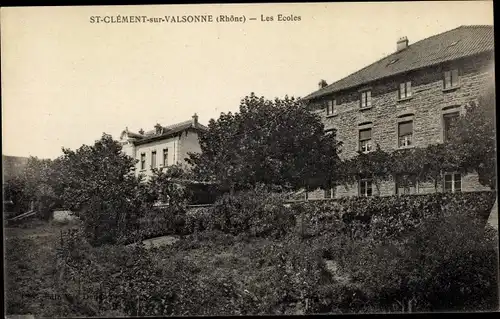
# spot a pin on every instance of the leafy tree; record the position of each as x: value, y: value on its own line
x: 473, y: 138
x: 98, y: 183
x: 164, y: 186
x: 34, y: 185
x: 268, y: 142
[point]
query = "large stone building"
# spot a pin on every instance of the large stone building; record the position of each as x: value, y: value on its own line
x: 407, y: 100
x: 163, y: 146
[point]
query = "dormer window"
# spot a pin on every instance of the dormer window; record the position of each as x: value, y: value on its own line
x: 366, y: 99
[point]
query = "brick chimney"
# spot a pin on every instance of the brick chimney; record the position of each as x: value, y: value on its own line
x: 402, y: 43
x: 195, y: 120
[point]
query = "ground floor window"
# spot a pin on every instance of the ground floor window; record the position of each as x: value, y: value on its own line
x: 365, y: 187
x: 406, y: 184
x: 452, y: 182
x: 329, y: 192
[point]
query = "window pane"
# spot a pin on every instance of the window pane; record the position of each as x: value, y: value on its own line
x: 368, y: 98
x: 363, y: 99
x: 365, y: 134
x: 448, y: 186
x: 457, y: 182
x: 362, y: 187
x: 447, y: 178
x: 405, y: 128
x: 447, y: 79
x: 454, y: 77
x: 328, y: 193
x: 408, y: 88
x: 448, y: 120
x: 369, y: 188
x: 165, y: 157
x: 153, y: 159
x: 402, y: 90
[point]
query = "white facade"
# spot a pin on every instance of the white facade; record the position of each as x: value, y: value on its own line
x: 163, y: 147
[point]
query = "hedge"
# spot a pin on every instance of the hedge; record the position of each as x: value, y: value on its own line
x: 261, y: 214
x: 388, y: 217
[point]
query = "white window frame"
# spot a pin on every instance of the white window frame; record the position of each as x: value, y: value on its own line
x: 367, y: 181
x: 330, y: 106
x: 153, y: 159
x: 455, y: 114
x: 408, y: 138
x: 368, y: 147
x: 397, y: 185
x: 405, y: 90
x: 451, y: 74
x: 453, y: 180
x: 165, y: 157
x: 143, y: 161
x: 365, y: 100
x: 330, y: 191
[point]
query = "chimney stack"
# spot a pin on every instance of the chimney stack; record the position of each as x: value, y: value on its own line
x: 195, y: 120
x: 322, y: 84
x: 402, y: 43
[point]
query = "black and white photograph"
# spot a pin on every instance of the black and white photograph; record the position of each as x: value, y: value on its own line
x: 249, y: 159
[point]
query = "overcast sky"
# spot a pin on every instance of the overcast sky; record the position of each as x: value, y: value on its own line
x: 65, y: 81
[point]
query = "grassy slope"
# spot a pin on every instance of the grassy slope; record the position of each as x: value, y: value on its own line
x: 30, y: 268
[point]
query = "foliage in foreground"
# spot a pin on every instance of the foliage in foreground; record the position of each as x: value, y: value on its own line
x: 448, y: 262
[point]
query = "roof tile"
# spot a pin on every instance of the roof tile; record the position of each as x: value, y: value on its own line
x: 451, y: 45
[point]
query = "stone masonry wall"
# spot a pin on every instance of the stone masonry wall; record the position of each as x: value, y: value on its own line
x: 428, y: 103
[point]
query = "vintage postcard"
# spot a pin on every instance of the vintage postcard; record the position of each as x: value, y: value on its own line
x: 249, y: 159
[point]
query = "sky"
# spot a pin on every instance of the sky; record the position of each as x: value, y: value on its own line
x: 65, y: 80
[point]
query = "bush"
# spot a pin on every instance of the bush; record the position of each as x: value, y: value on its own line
x: 388, y: 217
x: 256, y: 213
x: 448, y: 263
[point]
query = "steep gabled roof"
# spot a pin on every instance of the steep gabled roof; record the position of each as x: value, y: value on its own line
x: 458, y: 43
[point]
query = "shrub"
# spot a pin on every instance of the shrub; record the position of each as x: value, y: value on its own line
x: 448, y: 263
x: 388, y: 217
x: 255, y: 212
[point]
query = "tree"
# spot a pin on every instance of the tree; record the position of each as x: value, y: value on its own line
x: 33, y: 186
x: 473, y: 138
x: 268, y: 142
x: 98, y: 183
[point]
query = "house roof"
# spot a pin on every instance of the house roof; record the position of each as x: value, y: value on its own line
x: 451, y: 45
x: 166, y: 132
